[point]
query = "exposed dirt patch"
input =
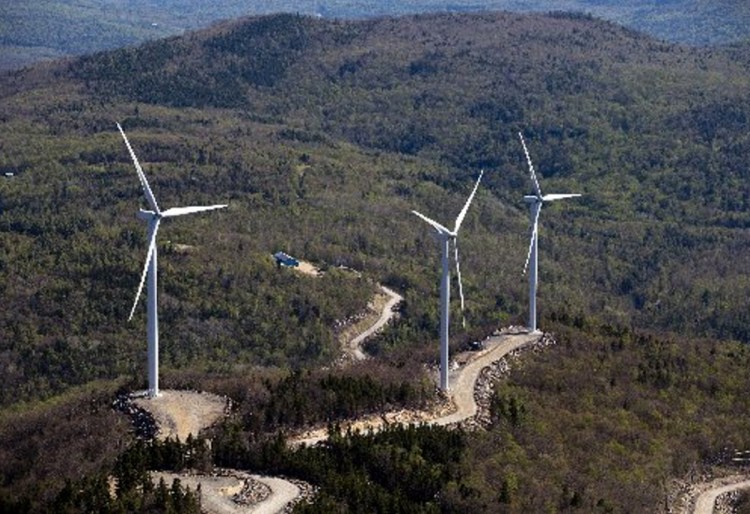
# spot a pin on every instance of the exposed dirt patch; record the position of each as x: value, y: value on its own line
x: 181, y: 413
x: 230, y: 491
x: 308, y: 269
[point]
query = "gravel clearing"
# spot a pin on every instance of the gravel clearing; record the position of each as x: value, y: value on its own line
x: 181, y: 413
x: 235, y: 492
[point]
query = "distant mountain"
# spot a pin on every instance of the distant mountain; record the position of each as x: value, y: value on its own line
x: 45, y: 29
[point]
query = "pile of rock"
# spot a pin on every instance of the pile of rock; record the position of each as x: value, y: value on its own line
x: 727, y: 502
x: 483, y: 391
x: 252, y: 492
x: 144, y: 423
x: 306, y: 495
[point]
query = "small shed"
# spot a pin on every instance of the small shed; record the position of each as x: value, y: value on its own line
x: 284, y: 259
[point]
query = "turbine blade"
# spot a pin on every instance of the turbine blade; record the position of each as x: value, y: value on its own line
x: 460, y: 284
x: 149, y: 253
x: 437, y: 226
x: 553, y: 197
x: 531, y: 167
x: 179, y: 211
x: 141, y: 176
x: 463, y: 212
x: 533, y: 237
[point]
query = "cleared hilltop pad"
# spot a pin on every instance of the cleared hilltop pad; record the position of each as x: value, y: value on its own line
x: 182, y: 413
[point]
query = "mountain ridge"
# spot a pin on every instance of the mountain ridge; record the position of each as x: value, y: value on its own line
x: 75, y: 28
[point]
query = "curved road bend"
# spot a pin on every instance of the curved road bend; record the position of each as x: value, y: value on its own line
x: 707, y: 499
x: 354, y: 347
x: 217, y: 492
x: 462, y: 393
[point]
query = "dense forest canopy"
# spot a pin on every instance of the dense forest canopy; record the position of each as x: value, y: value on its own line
x: 322, y: 136
x: 45, y: 29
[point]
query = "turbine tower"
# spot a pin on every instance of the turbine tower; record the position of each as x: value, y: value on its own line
x: 535, y: 202
x: 153, y: 217
x: 444, y: 237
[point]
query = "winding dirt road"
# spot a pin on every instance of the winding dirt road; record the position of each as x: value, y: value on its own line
x: 706, y: 501
x: 219, y: 494
x: 462, y: 399
x: 354, y: 347
x: 177, y: 413
x: 464, y: 379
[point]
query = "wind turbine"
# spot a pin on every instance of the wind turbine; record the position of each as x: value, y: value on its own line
x: 535, y: 202
x: 444, y: 237
x: 153, y: 217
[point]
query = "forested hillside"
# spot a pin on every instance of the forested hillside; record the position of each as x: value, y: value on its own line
x: 322, y: 136
x: 44, y: 29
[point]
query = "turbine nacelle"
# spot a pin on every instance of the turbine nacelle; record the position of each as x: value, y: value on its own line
x: 441, y: 232
x: 145, y: 215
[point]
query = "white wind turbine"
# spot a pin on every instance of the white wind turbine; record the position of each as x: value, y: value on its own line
x: 535, y: 202
x: 444, y: 237
x: 153, y: 217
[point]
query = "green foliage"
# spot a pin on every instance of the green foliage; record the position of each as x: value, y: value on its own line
x: 601, y: 421
x: 48, y: 443
x: 401, y: 469
x: 743, y: 503
x: 265, y: 403
x: 322, y: 136
x: 92, y: 494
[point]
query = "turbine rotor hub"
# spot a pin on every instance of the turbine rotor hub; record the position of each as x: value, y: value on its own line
x: 147, y: 215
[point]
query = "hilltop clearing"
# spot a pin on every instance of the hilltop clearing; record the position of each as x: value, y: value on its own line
x: 179, y: 414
